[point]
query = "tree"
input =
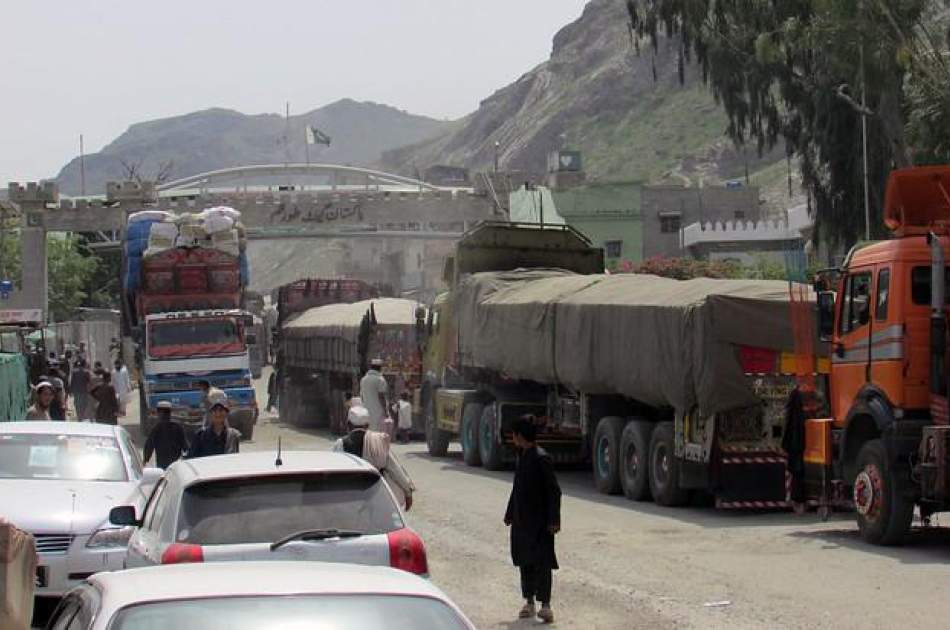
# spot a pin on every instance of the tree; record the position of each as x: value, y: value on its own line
x: 805, y: 72
x: 69, y: 272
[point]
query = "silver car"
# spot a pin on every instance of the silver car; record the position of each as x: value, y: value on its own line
x: 58, y: 481
x: 308, y: 506
x: 258, y: 596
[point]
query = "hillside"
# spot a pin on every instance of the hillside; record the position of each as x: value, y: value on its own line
x: 597, y: 94
x: 219, y: 138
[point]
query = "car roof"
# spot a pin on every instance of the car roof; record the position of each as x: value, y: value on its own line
x: 59, y: 428
x: 249, y: 578
x: 263, y: 463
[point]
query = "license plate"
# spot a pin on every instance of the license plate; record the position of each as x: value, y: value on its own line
x: 42, y: 577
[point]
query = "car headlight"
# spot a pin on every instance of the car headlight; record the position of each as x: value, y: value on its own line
x: 110, y: 537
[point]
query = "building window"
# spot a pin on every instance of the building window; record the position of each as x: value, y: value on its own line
x: 739, y: 215
x: 670, y: 224
x: 613, y: 249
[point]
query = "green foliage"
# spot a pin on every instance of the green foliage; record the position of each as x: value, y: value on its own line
x: 69, y: 272
x: 790, y: 71
x: 763, y: 268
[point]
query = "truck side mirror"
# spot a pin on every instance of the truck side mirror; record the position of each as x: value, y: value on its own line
x: 826, y: 315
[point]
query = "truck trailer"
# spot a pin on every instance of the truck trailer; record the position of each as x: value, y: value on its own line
x: 182, y: 309
x: 664, y: 386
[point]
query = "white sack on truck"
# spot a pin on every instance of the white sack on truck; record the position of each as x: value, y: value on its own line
x: 162, y: 236
x: 661, y: 341
x: 17, y: 577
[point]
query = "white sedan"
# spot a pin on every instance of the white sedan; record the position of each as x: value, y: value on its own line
x: 309, y: 505
x: 58, y: 481
x: 258, y: 596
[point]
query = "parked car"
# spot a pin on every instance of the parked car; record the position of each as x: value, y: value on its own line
x: 258, y: 595
x: 58, y: 481
x: 252, y: 506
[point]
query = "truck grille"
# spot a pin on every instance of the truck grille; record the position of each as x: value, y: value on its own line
x: 53, y: 543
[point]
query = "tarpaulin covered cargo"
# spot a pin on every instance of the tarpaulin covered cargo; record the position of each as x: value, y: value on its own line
x: 333, y: 337
x: 663, y: 342
x: 14, y: 387
x: 17, y: 576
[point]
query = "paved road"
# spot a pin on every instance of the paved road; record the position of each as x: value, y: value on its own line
x: 636, y: 565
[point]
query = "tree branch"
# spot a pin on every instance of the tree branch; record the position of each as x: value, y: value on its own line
x: 842, y: 94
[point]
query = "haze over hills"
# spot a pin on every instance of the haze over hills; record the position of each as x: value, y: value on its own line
x: 219, y: 138
x: 597, y: 94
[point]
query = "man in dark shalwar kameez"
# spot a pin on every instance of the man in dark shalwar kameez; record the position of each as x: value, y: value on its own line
x: 534, y: 514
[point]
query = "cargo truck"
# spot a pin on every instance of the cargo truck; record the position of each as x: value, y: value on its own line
x: 182, y: 309
x: 885, y: 447
x: 328, y: 349
x: 664, y: 386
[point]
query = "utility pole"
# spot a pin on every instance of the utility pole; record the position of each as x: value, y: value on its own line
x: 864, y: 141
x: 497, y: 144
x: 82, y: 167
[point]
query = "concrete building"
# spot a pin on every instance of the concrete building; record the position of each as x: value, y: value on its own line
x: 746, y: 242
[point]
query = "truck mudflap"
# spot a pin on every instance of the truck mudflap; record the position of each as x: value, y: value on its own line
x: 934, y: 468
x: 750, y: 478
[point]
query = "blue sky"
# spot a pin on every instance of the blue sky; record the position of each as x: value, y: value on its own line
x: 95, y: 67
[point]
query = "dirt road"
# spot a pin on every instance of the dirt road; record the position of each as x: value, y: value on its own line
x: 636, y: 565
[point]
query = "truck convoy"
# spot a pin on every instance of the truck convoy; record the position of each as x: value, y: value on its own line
x: 324, y: 350
x: 665, y: 386
x: 184, y: 279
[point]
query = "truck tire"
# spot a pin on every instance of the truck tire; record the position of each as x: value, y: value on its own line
x: 883, y: 511
x: 437, y: 440
x: 471, y: 418
x: 606, y: 459
x: 664, y: 473
x: 635, y: 458
x: 490, y: 445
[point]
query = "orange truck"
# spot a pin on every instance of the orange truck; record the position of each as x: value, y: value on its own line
x: 885, y: 447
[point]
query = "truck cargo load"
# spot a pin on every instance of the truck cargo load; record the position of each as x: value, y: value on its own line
x: 664, y: 342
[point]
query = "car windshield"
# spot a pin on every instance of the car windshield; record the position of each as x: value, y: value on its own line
x: 265, y: 509
x: 190, y: 337
x: 339, y: 612
x: 60, y: 457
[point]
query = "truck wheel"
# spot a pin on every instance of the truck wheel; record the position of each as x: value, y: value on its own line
x: 607, y: 454
x: 884, y: 513
x: 635, y: 458
x: 664, y: 473
x: 437, y: 440
x: 490, y: 445
x: 471, y: 417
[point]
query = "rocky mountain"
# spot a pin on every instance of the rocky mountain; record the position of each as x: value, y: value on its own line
x: 219, y: 138
x: 623, y: 107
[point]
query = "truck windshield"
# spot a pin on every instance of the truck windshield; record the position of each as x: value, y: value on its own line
x: 176, y: 338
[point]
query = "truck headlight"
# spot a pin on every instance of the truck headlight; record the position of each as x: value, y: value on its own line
x: 110, y: 537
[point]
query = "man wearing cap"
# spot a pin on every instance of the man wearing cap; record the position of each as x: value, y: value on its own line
x: 43, y: 394
x: 167, y: 439
x: 373, y: 389
x: 217, y: 438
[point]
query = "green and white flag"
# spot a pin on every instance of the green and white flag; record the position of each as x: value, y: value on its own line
x: 315, y: 136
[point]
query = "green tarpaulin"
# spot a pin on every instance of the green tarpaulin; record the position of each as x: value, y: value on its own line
x: 14, y: 387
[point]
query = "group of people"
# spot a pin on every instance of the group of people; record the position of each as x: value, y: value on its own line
x: 167, y: 439
x: 372, y: 410
x: 96, y: 392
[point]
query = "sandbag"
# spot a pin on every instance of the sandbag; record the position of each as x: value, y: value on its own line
x: 162, y: 236
x: 17, y: 577
x: 150, y: 215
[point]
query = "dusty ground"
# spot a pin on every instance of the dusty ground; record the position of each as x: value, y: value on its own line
x: 637, y: 565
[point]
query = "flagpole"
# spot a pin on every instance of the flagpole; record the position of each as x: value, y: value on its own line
x: 82, y: 168
x: 306, y: 143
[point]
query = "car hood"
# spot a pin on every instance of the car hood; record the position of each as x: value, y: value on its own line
x: 63, y: 507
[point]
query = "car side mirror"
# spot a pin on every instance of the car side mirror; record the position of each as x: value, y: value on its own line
x: 826, y: 315
x: 124, y: 515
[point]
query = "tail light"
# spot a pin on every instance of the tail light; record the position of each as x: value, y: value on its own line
x: 407, y: 552
x: 178, y: 553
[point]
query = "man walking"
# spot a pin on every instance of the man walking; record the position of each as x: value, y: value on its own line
x: 272, y: 391
x: 43, y: 398
x: 123, y: 385
x: 373, y: 389
x: 79, y: 382
x: 107, y: 407
x: 373, y: 446
x: 167, y: 439
x: 534, y: 515
x: 217, y: 437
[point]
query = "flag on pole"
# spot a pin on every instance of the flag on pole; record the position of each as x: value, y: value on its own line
x: 315, y: 136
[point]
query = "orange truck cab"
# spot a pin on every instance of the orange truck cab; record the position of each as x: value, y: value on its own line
x: 885, y: 447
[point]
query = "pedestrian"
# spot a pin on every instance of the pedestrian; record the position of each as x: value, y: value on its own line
x: 404, y: 415
x: 57, y: 409
x: 534, y: 515
x: 373, y: 446
x: 43, y: 395
x: 123, y: 385
x: 357, y: 415
x: 217, y: 438
x: 81, y: 353
x: 166, y: 440
x: 272, y: 390
x: 207, y: 393
x: 79, y: 382
x: 98, y: 370
x: 107, y: 402
x: 373, y: 388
